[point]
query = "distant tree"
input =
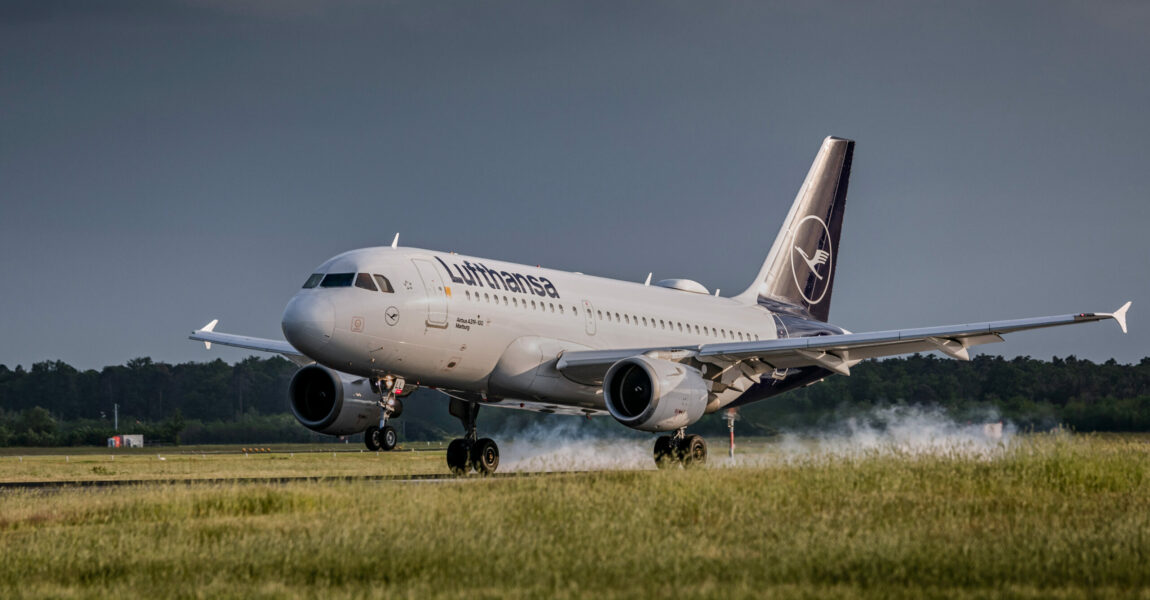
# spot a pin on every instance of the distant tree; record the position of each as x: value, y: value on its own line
x: 37, y: 427
x: 173, y: 427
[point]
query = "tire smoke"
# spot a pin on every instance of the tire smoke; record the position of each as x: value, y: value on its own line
x: 566, y: 446
x: 902, y: 430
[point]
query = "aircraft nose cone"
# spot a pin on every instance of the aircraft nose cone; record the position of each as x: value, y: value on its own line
x: 308, y: 323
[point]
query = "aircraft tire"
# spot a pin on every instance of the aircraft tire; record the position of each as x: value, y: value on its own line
x: 371, y: 438
x: 664, y: 452
x: 693, y: 452
x: 485, y: 456
x: 459, y: 456
x: 388, y: 438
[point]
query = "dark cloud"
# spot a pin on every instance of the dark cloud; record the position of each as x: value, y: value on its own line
x: 162, y: 164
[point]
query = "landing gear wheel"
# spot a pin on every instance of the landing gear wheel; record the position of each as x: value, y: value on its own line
x: 485, y: 456
x: 693, y: 451
x: 459, y: 456
x: 664, y: 451
x: 371, y: 438
x: 388, y: 438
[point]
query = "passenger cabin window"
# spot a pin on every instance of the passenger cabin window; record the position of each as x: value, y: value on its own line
x: 363, y: 280
x: 337, y: 280
x: 313, y: 280
x: 384, y: 284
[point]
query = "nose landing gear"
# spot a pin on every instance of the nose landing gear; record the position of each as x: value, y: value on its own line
x: 384, y: 437
x: 680, y: 448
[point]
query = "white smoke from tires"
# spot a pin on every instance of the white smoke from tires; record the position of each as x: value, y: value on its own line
x: 567, y: 446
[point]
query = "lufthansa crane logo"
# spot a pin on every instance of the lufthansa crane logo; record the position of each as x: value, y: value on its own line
x: 821, y: 257
x: 812, y: 258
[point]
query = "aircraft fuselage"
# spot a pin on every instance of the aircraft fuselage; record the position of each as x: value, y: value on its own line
x: 494, y: 328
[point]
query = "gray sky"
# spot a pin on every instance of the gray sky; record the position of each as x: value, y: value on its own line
x: 163, y: 164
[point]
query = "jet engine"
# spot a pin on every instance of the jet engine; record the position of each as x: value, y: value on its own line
x: 334, y: 403
x: 652, y: 394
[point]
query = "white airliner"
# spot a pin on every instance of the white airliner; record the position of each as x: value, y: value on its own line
x: 372, y: 324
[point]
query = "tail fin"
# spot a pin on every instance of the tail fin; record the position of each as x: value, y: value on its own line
x: 799, y: 272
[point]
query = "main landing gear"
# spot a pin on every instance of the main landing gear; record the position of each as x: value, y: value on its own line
x: 680, y: 448
x: 467, y: 453
x: 384, y: 437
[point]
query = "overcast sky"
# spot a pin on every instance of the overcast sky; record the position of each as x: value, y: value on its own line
x: 164, y: 164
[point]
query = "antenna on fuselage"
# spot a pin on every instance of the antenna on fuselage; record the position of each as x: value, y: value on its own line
x: 716, y: 291
x: 648, y: 282
x: 395, y: 241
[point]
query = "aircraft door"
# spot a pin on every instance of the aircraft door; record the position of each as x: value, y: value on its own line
x: 436, y: 293
x: 590, y: 312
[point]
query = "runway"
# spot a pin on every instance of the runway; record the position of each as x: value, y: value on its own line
x: 414, y: 478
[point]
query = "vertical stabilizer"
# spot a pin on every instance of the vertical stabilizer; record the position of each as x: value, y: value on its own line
x: 800, y: 269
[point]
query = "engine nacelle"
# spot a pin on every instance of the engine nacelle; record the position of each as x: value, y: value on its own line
x: 652, y: 394
x: 330, y: 402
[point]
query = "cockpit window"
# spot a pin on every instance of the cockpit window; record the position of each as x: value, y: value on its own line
x: 313, y: 280
x: 337, y: 280
x: 384, y: 284
x: 363, y: 280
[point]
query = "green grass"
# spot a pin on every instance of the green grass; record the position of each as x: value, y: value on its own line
x: 1053, y: 516
x: 208, y: 462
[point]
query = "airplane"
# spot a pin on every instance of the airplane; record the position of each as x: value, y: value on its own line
x: 371, y: 325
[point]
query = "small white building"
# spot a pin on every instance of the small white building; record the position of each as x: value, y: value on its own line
x: 135, y: 440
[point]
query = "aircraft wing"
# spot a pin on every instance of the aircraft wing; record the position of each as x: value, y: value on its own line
x: 834, y: 352
x: 208, y: 336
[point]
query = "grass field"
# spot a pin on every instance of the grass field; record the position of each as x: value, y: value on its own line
x: 1050, y: 516
x: 100, y: 464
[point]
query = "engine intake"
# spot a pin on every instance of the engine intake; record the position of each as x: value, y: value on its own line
x: 652, y: 394
x: 329, y: 402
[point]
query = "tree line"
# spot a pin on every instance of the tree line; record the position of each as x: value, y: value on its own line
x: 53, y: 403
